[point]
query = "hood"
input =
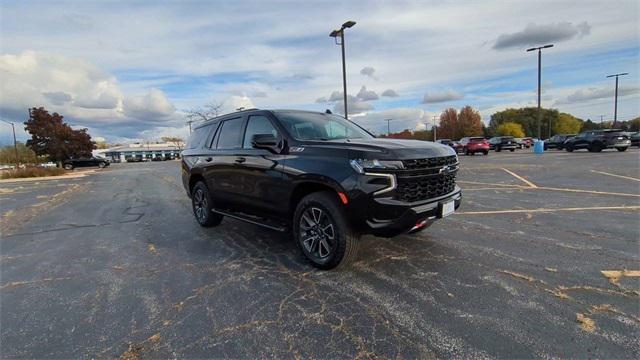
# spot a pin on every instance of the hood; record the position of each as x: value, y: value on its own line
x: 396, y: 149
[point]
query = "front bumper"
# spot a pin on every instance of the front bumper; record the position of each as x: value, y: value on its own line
x: 387, y: 217
x: 619, y: 144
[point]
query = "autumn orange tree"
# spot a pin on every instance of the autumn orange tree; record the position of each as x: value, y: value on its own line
x: 456, y: 125
x: 52, y: 137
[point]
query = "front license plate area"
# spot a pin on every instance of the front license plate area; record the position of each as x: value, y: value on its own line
x: 447, y: 208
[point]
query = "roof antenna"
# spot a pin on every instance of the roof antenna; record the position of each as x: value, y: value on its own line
x: 328, y: 111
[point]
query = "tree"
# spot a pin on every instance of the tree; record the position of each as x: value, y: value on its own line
x: 590, y: 125
x: 567, y: 124
x: 527, y: 118
x: 51, y: 137
x: 206, y: 112
x: 176, y: 141
x: 448, y: 124
x: 510, y: 129
x: 469, y: 123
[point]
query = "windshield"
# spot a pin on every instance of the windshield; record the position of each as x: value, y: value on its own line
x: 318, y: 126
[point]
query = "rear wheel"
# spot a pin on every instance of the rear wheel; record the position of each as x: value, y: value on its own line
x: 322, y: 232
x: 498, y: 149
x: 569, y: 148
x: 512, y: 150
x: 68, y: 166
x: 621, y: 149
x: 102, y: 164
x: 595, y: 147
x: 202, y: 206
x: 485, y: 152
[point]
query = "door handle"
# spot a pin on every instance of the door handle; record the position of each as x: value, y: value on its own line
x: 208, y: 159
x: 240, y: 160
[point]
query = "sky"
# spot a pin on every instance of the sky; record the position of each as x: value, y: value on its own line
x: 128, y: 71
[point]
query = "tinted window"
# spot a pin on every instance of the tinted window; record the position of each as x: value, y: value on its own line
x: 229, y: 137
x: 319, y: 126
x: 197, y: 137
x: 257, y: 124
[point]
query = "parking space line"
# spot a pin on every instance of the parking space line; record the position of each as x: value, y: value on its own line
x: 492, y: 184
x: 518, y: 211
x: 531, y: 185
x: 588, y: 191
x: 615, y: 175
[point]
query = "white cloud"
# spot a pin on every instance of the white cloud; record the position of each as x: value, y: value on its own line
x: 366, y: 95
x: 354, y: 106
x: 153, y: 105
x: 369, y: 72
x: 390, y: 93
x: 441, y: 97
x: 584, y: 95
x: 542, y: 34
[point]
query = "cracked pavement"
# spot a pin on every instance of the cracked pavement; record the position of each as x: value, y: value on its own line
x: 114, y: 265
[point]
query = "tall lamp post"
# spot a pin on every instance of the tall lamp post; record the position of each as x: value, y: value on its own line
x: 615, y: 106
x: 539, y: 48
x: 15, y: 143
x: 388, y: 128
x: 340, y: 33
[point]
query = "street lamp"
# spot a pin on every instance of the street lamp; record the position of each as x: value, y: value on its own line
x: 388, y: 129
x: 539, y: 77
x: 340, y: 33
x: 15, y: 144
x: 615, y: 108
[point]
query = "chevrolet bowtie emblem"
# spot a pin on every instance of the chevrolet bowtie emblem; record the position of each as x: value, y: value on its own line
x: 445, y: 170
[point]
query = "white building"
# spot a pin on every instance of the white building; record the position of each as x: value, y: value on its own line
x: 140, y: 152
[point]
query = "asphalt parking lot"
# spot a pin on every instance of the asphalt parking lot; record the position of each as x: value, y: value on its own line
x: 541, y: 260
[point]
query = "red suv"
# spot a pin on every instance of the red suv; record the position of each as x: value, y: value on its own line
x: 472, y: 145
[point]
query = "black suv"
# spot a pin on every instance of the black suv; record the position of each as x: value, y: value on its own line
x: 557, y: 141
x: 318, y: 175
x: 500, y: 143
x: 597, y: 140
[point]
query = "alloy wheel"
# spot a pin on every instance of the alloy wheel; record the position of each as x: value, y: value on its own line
x: 317, y: 233
x: 200, y: 205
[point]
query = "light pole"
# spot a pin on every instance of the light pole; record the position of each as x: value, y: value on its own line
x: 539, y: 48
x: 388, y: 128
x: 15, y: 143
x: 334, y: 34
x: 615, y: 107
x: 189, y: 123
x: 434, y: 127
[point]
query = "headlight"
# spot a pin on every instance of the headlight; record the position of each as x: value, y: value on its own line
x: 360, y: 165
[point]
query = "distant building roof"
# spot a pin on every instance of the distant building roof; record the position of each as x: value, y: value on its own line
x: 143, y: 147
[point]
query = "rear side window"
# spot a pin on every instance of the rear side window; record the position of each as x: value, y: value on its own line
x: 230, y: 134
x: 198, y: 136
x: 257, y: 124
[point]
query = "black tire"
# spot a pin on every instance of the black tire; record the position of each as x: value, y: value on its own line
x: 485, y: 152
x: 569, y: 148
x: 102, y: 164
x: 621, y: 149
x: 202, y: 205
x: 320, y: 223
x: 512, y: 150
x: 595, y: 147
x: 468, y: 153
x: 498, y: 149
x: 68, y: 166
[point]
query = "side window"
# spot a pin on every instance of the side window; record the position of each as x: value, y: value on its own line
x: 212, y: 135
x: 198, y: 136
x: 229, y: 137
x: 257, y: 124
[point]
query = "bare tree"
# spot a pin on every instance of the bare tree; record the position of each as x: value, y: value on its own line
x: 176, y: 141
x: 206, y: 112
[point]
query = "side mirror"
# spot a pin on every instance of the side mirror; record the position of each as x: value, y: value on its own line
x: 267, y: 142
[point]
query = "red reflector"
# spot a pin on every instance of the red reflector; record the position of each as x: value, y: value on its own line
x: 420, y: 224
x: 343, y: 198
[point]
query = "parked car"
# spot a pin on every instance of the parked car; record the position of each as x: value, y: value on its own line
x: 557, y: 141
x: 156, y: 158
x: 318, y: 175
x: 499, y: 143
x: 528, y: 142
x: 635, y: 139
x: 597, y: 140
x: 70, y: 164
x: 520, y: 143
x: 472, y: 145
x: 454, y: 144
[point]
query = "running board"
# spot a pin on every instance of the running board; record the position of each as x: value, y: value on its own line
x: 251, y: 221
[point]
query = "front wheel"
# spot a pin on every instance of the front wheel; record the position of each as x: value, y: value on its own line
x: 621, y: 149
x: 512, y: 150
x: 102, y: 164
x: 485, y: 152
x: 322, y: 232
x: 569, y: 148
x: 68, y: 166
x: 202, y: 206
